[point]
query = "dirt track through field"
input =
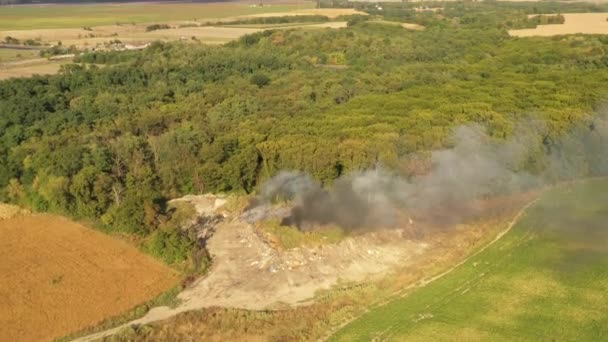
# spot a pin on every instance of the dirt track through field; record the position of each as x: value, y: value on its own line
x: 58, y: 277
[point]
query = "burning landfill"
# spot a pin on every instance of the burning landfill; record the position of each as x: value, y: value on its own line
x: 476, y: 167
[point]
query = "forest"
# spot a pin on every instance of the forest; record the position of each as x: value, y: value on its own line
x: 113, y: 137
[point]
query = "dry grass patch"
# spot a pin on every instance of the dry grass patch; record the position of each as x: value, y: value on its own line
x: 8, y: 211
x: 202, y: 33
x: 41, y: 68
x: 328, y: 12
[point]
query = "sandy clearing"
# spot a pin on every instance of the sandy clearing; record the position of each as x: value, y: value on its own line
x: 58, y: 277
x: 587, y: 23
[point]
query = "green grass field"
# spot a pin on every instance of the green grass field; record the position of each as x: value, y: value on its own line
x: 546, y: 280
x: 76, y: 16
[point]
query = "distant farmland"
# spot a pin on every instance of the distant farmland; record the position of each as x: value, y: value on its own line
x: 587, y: 23
x: 78, y: 16
x: 59, y: 277
x: 545, y: 280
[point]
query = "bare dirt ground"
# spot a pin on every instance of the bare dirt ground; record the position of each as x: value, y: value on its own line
x: 587, y: 23
x: 58, y: 276
x: 247, y: 273
x: 261, y: 276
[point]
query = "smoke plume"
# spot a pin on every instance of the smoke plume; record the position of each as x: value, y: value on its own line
x: 476, y: 166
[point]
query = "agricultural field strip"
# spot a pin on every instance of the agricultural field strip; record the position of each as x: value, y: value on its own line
x: 136, y: 34
x: 576, y: 23
x: 77, y: 16
x: 424, y: 282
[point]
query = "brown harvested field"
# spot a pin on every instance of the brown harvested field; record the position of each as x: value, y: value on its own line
x: 201, y: 33
x: 37, y: 67
x: 59, y: 277
x: 588, y: 23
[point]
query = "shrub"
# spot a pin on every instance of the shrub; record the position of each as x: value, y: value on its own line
x: 156, y: 27
x: 260, y: 80
x: 11, y: 40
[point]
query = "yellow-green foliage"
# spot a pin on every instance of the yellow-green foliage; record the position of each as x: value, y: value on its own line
x: 236, y: 204
x: 175, y: 244
x: 288, y: 237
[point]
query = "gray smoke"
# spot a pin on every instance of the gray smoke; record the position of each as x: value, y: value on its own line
x: 477, y: 166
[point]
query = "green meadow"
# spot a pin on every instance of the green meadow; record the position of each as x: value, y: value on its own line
x: 546, y: 280
x: 76, y: 16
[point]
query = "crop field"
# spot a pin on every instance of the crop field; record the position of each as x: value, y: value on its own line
x: 547, y: 279
x: 587, y: 23
x: 59, y: 277
x: 76, y: 16
x: 128, y: 24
